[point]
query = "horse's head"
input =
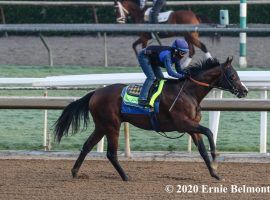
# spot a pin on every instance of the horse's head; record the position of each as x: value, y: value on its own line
x: 231, y: 81
x: 125, y: 8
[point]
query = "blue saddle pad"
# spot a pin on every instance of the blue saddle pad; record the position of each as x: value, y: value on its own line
x: 130, y: 96
x: 131, y: 106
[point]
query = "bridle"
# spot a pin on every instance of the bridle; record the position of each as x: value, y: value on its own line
x: 233, y: 89
x: 123, y: 12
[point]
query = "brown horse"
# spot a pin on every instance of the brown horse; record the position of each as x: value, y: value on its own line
x: 124, y: 8
x: 105, y: 107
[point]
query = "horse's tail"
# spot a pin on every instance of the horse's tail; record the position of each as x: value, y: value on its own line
x: 206, y: 20
x: 71, y: 116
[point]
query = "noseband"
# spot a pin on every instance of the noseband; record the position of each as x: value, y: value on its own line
x: 122, y: 11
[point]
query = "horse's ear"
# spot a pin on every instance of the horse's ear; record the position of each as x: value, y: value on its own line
x: 229, y: 60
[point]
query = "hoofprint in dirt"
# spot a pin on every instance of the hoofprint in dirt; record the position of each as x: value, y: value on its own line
x: 51, y: 179
x: 89, y: 50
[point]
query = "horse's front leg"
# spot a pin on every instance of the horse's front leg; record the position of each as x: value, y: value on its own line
x: 193, y: 128
x: 198, y: 141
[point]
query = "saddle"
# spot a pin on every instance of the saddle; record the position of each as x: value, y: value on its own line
x: 130, y: 95
x: 162, y: 16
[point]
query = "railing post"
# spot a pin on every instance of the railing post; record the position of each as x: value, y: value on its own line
x: 189, y: 144
x: 3, y: 19
x: 243, y: 36
x: 95, y: 17
x: 127, y: 144
x: 214, y: 116
x: 48, y: 50
x: 46, y: 135
x: 105, y: 50
x: 263, y: 127
x: 100, y: 145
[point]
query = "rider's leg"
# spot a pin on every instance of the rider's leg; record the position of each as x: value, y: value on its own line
x: 158, y: 5
x: 148, y: 71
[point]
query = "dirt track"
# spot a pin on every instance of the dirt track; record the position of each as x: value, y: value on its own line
x: 51, y: 179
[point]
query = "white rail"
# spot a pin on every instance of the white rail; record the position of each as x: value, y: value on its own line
x: 254, y: 79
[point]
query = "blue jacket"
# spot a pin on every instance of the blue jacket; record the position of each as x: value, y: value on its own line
x: 162, y: 56
x: 168, y: 60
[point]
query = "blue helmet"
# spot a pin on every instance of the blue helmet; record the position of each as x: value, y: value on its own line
x: 180, y: 45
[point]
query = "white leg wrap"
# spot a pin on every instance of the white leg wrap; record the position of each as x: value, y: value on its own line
x: 208, y: 55
x: 185, y: 62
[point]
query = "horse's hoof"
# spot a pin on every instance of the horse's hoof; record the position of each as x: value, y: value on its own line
x: 216, y: 177
x: 74, y: 173
x: 125, y: 178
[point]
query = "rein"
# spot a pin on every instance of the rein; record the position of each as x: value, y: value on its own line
x: 199, y: 82
x: 166, y: 136
x: 207, y: 84
x: 212, y: 86
x: 177, y: 95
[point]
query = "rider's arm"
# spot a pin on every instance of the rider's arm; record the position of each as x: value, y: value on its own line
x: 178, y: 67
x: 166, y: 59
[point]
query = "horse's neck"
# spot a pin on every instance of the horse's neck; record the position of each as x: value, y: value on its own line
x: 135, y: 13
x: 210, y: 76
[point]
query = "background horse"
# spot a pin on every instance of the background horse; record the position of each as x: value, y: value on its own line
x: 130, y: 8
x: 105, y: 107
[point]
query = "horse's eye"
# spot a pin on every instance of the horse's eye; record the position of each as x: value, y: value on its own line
x: 233, y: 77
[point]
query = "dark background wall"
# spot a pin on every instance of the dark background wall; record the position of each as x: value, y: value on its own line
x: 27, y: 14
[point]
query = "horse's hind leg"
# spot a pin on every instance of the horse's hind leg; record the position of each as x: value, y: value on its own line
x: 112, y: 139
x: 93, y: 139
x: 188, y: 59
x: 143, y: 39
x: 195, y: 40
x: 135, y: 44
x: 188, y: 38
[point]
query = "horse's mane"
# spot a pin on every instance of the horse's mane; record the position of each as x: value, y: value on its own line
x: 198, y: 67
x: 201, y: 65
